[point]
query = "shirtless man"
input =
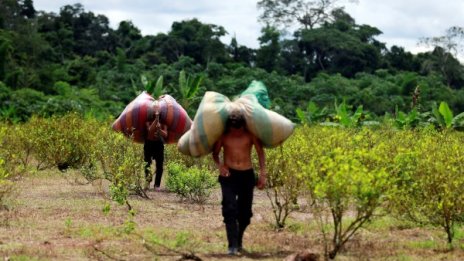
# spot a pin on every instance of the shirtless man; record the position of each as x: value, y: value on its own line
x: 237, y: 177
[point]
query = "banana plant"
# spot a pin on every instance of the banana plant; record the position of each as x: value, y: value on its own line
x: 9, y: 114
x: 346, y: 118
x: 312, y: 114
x: 155, y: 89
x: 407, y: 120
x: 443, y: 117
x: 188, y: 89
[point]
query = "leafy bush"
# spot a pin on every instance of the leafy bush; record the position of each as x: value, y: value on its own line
x: 173, y: 155
x: 26, y: 102
x: 63, y: 142
x: 284, y: 180
x: 122, y: 164
x: 16, y: 149
x: 430, y: 181
x: 346, y: 180
x: 6, y: 185
x: 349, y: 175
x: 194, y: 184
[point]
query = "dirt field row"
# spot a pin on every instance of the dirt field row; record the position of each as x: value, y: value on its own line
x: 52, y: 218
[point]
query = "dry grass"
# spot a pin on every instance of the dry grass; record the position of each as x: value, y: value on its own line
x: 55, y: 219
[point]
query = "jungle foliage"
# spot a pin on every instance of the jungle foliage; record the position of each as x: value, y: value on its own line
x: 53, y: 63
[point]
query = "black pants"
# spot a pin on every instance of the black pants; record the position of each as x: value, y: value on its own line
x: 237, y: 199
x: 154, y: 150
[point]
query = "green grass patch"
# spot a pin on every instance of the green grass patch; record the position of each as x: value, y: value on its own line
x: 387, y: 223
x: 301, y: 228
x: 178, y: 240
x: 23, y: 258
x: 96, y: 231
x: 425, y: 244
x: 459, y: 233
x: 296, y: 227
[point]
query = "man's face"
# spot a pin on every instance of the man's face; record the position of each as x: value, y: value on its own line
x: 236, y: 120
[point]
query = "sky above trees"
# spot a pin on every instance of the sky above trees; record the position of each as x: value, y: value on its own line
x: 402, y: 22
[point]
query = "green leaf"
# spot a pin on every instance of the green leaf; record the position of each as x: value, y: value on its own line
x: 342, y: 113
x: 437, y: 115
x: 158, y: 90
x: 312, y: 107
x: 159, y: 82
x: 412, y: 116
x: 134, y: 87
x: 301, y: 115
x: 194, y: 86
x: 458, y: 120
x: 400, y: 117
x: 357, y: 114
x: 144, y: 81
x: 447, y: 114
x: 183, y: 84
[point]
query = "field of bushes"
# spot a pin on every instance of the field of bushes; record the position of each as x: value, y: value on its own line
x: 332, y: 190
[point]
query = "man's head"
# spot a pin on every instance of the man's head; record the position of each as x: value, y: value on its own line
x: 236, y: 120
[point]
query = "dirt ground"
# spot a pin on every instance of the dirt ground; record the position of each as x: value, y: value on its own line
x: 53, y: 218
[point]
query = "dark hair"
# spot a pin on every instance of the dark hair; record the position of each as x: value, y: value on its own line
x: 235, y: 120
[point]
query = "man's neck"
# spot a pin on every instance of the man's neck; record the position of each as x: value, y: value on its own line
x: 237, y: 131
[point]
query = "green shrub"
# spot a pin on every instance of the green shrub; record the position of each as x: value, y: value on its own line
x: 63, y: 142
x: 173, y: 155
x: 430, y: 187
x: 15, y: 150
x: 6, y: 185
x: 122, y: 164
x: 194, y: 184
x: 346, y: 180
x: 284, y: 179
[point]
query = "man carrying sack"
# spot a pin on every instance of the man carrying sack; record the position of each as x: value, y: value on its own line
x: 237, y: 177
x: 153, y: 149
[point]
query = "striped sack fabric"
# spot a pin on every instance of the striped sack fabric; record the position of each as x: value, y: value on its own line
x: 132, y: 121
x: 211, y: 117
x: 174, y: 117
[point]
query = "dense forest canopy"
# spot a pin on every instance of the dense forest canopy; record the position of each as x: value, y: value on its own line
x: 52, y: 63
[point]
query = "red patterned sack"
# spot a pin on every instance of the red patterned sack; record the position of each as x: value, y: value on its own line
x: 132, y: 121
x: 174, y: 117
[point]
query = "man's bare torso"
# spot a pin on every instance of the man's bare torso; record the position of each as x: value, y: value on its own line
x: 237, y: 144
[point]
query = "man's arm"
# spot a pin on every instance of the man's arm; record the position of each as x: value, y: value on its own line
x: 262, y: 163
x: 223, y: 169
x: 163, y: 130
x: 156, y: 128
x: 216, y: 150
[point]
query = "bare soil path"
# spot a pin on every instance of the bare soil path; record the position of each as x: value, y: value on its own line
x: 52, y: 218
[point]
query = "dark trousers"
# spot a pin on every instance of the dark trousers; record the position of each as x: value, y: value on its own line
x: 237, y: 199
x: 154, y: 150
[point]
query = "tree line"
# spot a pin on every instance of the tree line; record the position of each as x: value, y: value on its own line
x: 52, y: 63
